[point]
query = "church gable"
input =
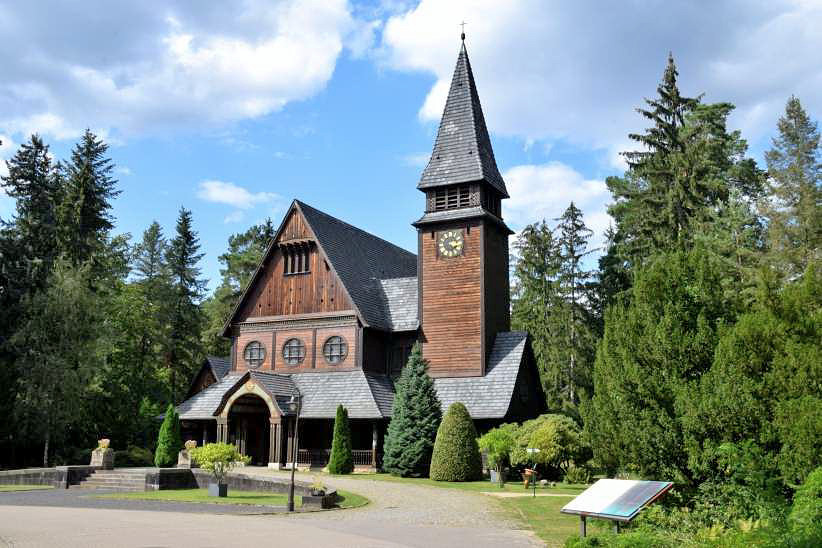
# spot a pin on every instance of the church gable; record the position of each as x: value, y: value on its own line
x: 294, y: 277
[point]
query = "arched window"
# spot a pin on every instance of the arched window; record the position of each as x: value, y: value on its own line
x: 335, y: 349
x: 254, y: 354
x: 293, y: 351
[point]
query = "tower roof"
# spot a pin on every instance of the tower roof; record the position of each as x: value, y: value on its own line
x: 462, y: 152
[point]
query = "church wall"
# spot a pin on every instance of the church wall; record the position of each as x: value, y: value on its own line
x: 278, y: 294
x: 451, y: 308
x: 313, y: 339
x: 496, y: 286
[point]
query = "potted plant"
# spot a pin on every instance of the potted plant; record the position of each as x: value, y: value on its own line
x: 219, y: 459
x: 317, y: 488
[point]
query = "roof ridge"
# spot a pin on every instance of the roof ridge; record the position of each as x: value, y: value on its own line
x: 321, y: 212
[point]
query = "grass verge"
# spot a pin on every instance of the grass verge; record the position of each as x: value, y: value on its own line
x: 542, y: 516
x: 346, y: 499
x: 10, y: 488
x: 476, y: 486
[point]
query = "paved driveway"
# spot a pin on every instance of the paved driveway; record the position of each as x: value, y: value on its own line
x: 399, y: 515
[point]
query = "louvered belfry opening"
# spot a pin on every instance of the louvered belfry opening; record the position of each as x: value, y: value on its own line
x: 452, y: 197
x: 297, y: 256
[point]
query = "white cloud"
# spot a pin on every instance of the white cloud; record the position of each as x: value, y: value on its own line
x: 544, y: 191
x: 576, y: 71
x: 150, y: 67
x: 234, y: 217
x: 124, y: 171
x: 221, y: 192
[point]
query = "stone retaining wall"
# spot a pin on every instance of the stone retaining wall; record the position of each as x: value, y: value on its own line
x: 60, y: 476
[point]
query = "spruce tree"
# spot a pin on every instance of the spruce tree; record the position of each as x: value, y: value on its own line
x: 169, y: 440
x: 342, y: 458
x: 793, y: 205
x: 416, y: 417
x: 184, y: 317
x: 85, y: 211
x: 456, y: 454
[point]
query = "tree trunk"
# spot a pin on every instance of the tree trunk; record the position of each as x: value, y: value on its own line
x: 46, y: 448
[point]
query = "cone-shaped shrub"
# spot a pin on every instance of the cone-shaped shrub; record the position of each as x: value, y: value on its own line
x: 456, y: 454
x: 169, y: 442
x: 416, y: 416
x: 342, y: 459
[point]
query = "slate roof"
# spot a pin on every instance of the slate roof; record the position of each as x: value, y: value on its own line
x: 462, y: 152
x: 366, y: 396
x: 490, y: 396
x: 400, y: 301
x: 203, y: 404
x: 362, y: 261
x: 219, y: 366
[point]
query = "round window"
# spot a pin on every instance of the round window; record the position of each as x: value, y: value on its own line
x: 335, y: 349
x: 254, y: 354
x: 293, y: 351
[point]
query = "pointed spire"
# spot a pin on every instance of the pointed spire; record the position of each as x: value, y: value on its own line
x: 462, y: 152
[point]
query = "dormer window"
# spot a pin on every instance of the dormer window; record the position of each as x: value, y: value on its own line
x: 452, y: 197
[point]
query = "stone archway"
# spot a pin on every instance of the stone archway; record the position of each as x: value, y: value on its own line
x: 252, y: 420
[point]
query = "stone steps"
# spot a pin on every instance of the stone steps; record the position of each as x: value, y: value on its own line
x: 113, y: 480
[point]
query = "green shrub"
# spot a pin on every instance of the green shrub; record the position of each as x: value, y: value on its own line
x: 497, y: 444
x: 133, y: 456
x: 342, y: 458
x: 456, y: 454
x: 413, y: 428
x: 806, y: 513
x: 578, y: 474
x: 218, y: 458
x: 169, y: 442
x: 558, y: 438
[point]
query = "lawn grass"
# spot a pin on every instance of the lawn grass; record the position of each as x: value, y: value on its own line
x: 542, y: 515
x: 346, y: 499
x: 10, y: 488
x: 476, y: 486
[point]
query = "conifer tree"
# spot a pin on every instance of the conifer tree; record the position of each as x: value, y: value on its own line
x: 342, y: 457
x: 456, y: 454
x: 169, y: 440
x: 85, y: 210
x: 793, y: 206
x: 185, y: 320
x: 415, y: 420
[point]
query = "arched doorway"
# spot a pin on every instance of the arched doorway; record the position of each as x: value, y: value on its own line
x: 249, y: 427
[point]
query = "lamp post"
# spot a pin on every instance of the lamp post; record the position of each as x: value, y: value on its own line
x: 294, y: 405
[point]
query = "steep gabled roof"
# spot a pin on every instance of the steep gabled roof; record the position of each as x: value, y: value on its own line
x: 359, y: 259
x: 462, y: 152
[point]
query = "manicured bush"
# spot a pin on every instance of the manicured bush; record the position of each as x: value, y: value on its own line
x: 169, y: 441
x: 558, y: 438
x: 578, y: 474
x: 456, y: 454
x: 218, y: 458
x: 342, y: 458
x: 416, y: 417
x: 497, y: 444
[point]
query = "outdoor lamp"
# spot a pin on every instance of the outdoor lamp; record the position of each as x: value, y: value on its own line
x: 294, y: 407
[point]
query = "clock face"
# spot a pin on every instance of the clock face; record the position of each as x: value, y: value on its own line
x: 450, y: 243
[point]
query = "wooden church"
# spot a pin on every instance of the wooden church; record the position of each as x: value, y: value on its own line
x: 332, y: 312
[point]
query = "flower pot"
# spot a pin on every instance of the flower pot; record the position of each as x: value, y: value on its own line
x: 218, y: 489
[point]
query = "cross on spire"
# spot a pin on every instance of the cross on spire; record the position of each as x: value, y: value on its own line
x: 462, y: 35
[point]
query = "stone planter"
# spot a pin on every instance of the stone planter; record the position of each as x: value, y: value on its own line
x: 103, y: 458
x: 184, y: 460
x: 218, y: 489
x: 320, y: 501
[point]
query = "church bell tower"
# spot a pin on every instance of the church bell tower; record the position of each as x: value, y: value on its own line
x: 462, y: 239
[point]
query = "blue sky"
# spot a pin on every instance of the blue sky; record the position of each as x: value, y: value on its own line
x: 233, y: 111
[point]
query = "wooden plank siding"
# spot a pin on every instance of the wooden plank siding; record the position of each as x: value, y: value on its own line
x: 277, y: 294
x: 451, y: 303
x: 496, y: 301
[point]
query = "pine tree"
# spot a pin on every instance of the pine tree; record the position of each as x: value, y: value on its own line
x: 85, y: 217
x: 536, y: 293
x: 185, y: 320
x: 456, y: 454
x: 793, y: 206
x: 342, y: 458
x: 169, y: 440
x: 416, y: 417
x: 577, y: 320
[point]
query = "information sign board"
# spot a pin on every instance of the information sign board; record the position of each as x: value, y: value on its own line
x: 619, y: 500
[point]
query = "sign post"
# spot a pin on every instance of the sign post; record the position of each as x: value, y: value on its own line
x: 533, y: 451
